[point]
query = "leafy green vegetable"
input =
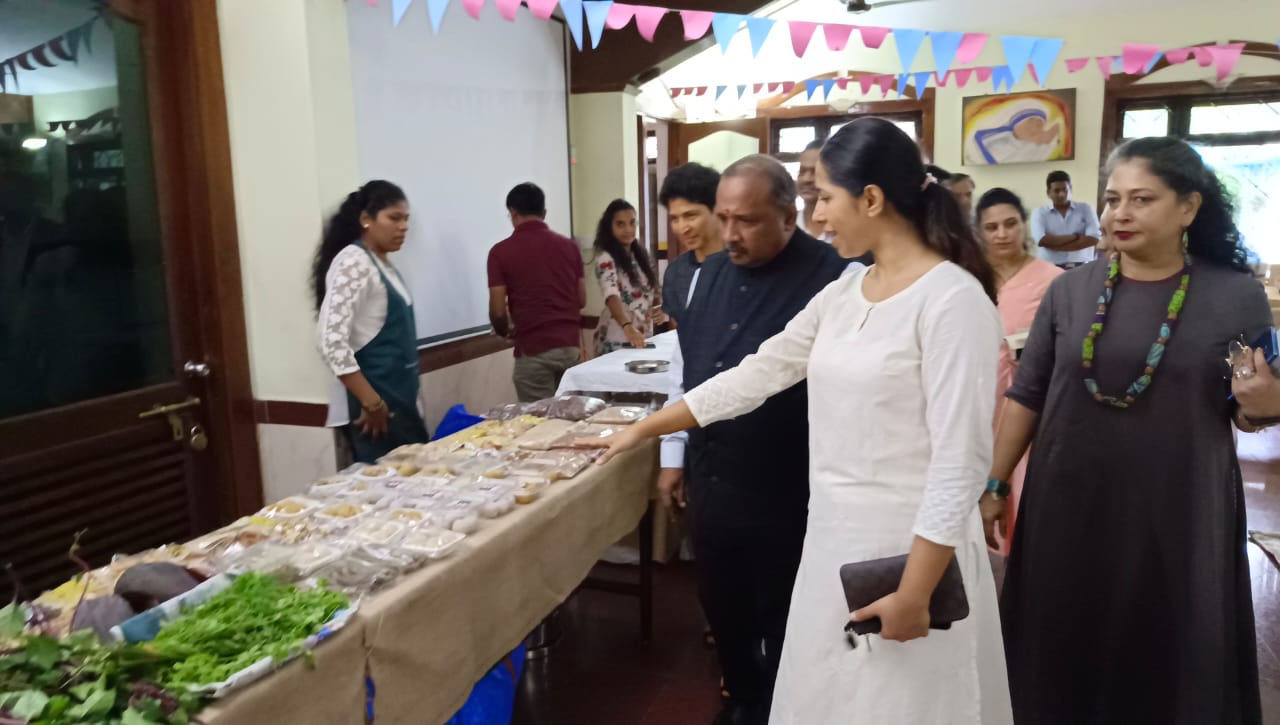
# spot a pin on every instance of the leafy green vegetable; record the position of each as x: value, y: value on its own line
x: 254, y: 618
x: 13, y: 619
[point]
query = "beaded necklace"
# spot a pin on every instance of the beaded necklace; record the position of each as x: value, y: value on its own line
x: 1157, y: 348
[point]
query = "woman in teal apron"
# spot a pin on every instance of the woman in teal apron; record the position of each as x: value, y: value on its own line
x: 365, y: 323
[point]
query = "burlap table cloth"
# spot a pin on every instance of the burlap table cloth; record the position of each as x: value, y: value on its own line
x: 429, y: 638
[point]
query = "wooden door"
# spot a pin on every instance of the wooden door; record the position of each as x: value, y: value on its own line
x: 119, y: 292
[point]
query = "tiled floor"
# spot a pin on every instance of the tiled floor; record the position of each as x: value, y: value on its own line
x: 600, y: 673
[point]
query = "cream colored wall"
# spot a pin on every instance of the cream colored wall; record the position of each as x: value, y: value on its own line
x: 723, y: 148
x: 602, y: 137
x: 293, y: 157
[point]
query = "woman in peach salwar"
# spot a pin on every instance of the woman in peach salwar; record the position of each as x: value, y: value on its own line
x: 1021, y: 281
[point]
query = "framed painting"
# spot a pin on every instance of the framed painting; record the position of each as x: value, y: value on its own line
x: 1020, y: 128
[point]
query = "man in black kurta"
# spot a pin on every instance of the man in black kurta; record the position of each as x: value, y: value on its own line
x: 748, y: 477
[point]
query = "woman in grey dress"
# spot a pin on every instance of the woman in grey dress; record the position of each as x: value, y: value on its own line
x: 1127, y: 593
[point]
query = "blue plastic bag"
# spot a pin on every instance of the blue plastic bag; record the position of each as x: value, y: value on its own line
x: 494, y: 696
x: 455, y: 420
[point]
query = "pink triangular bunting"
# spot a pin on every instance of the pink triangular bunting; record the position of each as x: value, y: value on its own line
x: 701, y: 90
x: 886, y: 83
x: 543, y: 9
x: 788, y: 87
x: 696, y: 23
x: 962, y: 76
x: 1137, y: 55
x: 473, y: 7
x: 1075, y: 65
x: 758, y: 88
x: 1178, y: 55
x: 971, y: 46
x: 619, y: 15
x: 843, y: 83
x: 801, y: 34
x: 873, y: 37
x: 508, y: 8
x: 984, y: 74
x: 1105, y: 62
x: 837, y: 35
x: 865, y: 82
x: 1225, y: 58
x: 941, y: 80
x: 647, y: 19
x: 1203, y: 55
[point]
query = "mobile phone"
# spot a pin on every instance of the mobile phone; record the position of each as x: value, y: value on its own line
x: 1269, y: 344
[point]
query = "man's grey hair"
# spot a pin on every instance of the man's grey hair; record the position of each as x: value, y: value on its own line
x: 782, y: 188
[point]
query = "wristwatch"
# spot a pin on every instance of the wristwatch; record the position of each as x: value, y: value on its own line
x: 998, y: 488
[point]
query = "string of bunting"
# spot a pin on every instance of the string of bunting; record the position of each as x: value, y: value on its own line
x: 1135, y: 59
x: 949, y: 48
x: 64, y: 47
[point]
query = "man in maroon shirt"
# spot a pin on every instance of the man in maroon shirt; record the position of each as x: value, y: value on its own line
x: 536, y: 293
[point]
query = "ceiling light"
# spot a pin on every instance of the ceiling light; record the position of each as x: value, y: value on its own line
x: 35, y: 143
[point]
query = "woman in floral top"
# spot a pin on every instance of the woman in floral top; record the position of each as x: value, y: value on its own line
x: 626, y: 281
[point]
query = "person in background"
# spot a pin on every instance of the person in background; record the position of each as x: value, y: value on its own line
x: 627, y: 281
x: 365, y: 323
x: 808, y: 191
x: 961, y: 187
x: 747, y: 477
x: 1021, y: 282
x: 1128, y: 576
x: 689, y: 195
x: 1066, y: 231
x: 900, y: 361
x: 536, y: 294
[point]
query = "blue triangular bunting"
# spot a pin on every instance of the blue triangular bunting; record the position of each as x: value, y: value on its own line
x: 945, y: 46
x: 725, y: 26
x: 597, y: 11
x: 908, y: 42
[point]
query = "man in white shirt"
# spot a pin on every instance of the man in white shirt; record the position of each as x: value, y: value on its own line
x: 1066, y: 231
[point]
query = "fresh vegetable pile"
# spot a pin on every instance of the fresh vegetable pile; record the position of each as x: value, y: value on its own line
x: 255, y: 617
x: 78, y: 679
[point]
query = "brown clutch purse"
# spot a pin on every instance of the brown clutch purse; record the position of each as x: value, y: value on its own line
x: 866, y: 581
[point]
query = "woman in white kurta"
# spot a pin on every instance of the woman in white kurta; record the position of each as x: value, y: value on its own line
x: 900, y: 359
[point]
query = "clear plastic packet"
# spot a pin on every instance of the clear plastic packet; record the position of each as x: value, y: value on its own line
x: 458, y: 514
x: 432, y: 543
x: 265, y: 558
x: 529, y: 490
x: 331, y: 486
x: 585, y: 435
x: 307, y: 558
x: 408, y: 515
x: 488, y: 466
x: 288, y: 508
x: 229, y: 542
x: 378, y: 531
x: 543, y: 467
x: 399, y: 560
x: 341, y: 511
x: 510, y: 411
x: 619, y: 415
x: 375, y: 473
x: 355, y: 574
x: 568, y: 407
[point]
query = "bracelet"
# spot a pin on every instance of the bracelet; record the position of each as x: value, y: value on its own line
x: 998, y: 488
x: 377, y: 407
x: 627, y: 324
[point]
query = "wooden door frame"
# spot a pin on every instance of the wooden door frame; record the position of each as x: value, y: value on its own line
x: 193, y: 176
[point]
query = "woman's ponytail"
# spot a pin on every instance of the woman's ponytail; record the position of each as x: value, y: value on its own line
x: 344, y: 227
x: 945, y: 230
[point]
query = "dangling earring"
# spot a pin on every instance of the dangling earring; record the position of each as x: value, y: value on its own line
x: 1185, y: 240
x: 366, y: 226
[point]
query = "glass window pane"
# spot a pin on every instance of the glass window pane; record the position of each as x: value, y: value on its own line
x: 1252, y: 175
x: 909, y: 127
x: 83, y: 312
x: 651, y: 148
x: 793, y: 139
x: 1141, y: 122
x: 1235, y: 118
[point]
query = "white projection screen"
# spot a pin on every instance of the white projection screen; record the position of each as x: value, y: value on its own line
x: 457, y: 119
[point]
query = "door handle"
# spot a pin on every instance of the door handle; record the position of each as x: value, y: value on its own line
x: 158, y: 409
x: 174, y: 414
x: 194, y: 369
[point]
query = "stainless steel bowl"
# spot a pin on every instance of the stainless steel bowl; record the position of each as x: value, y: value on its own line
x: 645, y: 367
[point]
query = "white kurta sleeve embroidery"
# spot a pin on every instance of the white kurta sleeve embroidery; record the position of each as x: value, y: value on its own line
x: 960, y: 340
x: 348, y: 278
x: 781, y: 361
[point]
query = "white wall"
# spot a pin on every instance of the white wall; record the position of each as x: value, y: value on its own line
x: 602, y: 132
